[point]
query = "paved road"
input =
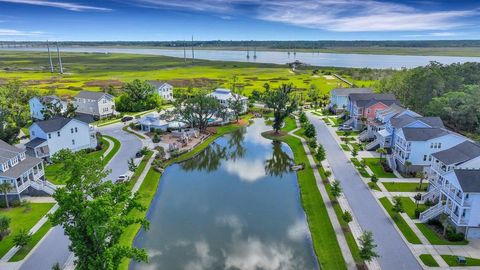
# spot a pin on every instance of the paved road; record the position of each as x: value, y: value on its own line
x: 394, y: 253
x: 54, y: 248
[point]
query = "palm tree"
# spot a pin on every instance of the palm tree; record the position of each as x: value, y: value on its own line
x: 382, y: 152
x: 5, y: 188
x: 422, y: 177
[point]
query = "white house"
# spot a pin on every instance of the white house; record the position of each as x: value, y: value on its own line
x: 97, y: 104
x: 22, y: 171
x: 339, y: 97
x: 50, y: 136
x: 152, y: 122
x: 225, y: 95
x: 417, y: 144
x: 38, y: 105
x: 454, y: 177
x: 164, y: 90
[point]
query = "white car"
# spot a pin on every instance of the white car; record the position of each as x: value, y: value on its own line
x: 122, y: 178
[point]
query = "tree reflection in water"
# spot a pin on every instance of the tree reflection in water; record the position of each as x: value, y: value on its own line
x: 210, y: 159
x: 279, y: 163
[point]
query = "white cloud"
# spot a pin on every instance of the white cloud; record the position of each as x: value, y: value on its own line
x: 246, y: 170
x: 16, y: 33
x: 62, y: 5
x: 298, y: 231
x: 204, y: 259
x: 332, y: 15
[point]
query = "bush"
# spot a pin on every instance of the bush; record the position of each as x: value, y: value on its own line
x: 453, y: 236
x: 22, y: 238
x: 310, y: 131
x: 312, y: 143
x: 347, y: 217
x: 156, y: 138
x: 303, y: 118
x: 386, y: 168
x: 328, y: 173
x: 4, y: 226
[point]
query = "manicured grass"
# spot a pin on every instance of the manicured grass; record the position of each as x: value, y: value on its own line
x: 403, y: 187
x: 111, y: 154
x: 351, y: 133
x: 345, y: 147
x: 400, y: 222
x: 374, y: 186
x: 139, y: 169
x: 434, y: 238
x: 428, y: 260
x: 451, y: 260
x: 410, y: 206
x: 21, y: 220
x: 325, y: 243
x: 36, y: 237
x: 126, y: 129
x: 377, y: 169
x: 360, y: 169
x: 289, y: 124
x: 357, y: 146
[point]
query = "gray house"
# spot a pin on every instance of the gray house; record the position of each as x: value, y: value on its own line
x: 97, y: 104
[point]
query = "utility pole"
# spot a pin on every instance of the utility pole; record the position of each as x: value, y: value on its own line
x: 50, y: 57
x: 59, y: 59
x: 193, y: 52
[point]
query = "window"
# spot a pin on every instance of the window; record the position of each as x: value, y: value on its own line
x: 429, y: 158
x: 439, y: 145
x: 58, y: 133
x: 424, y: 157
x: 33, y: 133
x: 431, y: 145
x: 71, y: 130
x: 73, y: 141
x: 76, y: 129
x: 49, y: 135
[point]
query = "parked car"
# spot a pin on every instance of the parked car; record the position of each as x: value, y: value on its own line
x: 127, y: 118
x: 122, y: 178
x: 344, y: 127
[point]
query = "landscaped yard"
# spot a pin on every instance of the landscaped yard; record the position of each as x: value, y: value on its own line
x: 36, y: 237
x: 428, y: 260
x: 360, y: 169
x: 410, y: 206
x: 377, y: 169
x: 345, y: 147
x: 54, y: 172
x: 400, y: 222
x: 351, y: 133
x: 403, y: 187
x: 451, y: 260
x: 289, y: 124
x: 434, y: 238
x: 21, y: 220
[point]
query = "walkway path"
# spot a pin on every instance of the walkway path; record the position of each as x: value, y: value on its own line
x: 347, y: 255
x: 394, y: 253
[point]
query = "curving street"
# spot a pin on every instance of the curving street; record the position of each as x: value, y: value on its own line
x: 54, y: 247
x: 394, y: 253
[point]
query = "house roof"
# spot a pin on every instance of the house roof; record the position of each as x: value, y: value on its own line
x: 19, y: 169
x: 394, y: 108
x: 223, y: 94
x: 404, y: 120
x: 373, y: 101
x: 8, y: 151
x: 53, y: 124
x: 469, y: 180
x: 35, y: 142
x: 158, y: 84
x: 92, y: 95
x: 462, y: 152
x: 433, y: 121
x: 347, y: 91
x: 86, y: 118
x: 423, y: 134
x: 369, y: 96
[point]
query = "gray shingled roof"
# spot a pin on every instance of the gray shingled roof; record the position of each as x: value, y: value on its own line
x: 92, y: 95
x: 23, y: 166
x: 369, y: 96
x: 401, y: 121
x: 469, y: 180
x: 157, y: 83
x: 423, y: 134
x: 347, y: 91
x: 432, y: 121
x: 373, y: 101
x: 35, y: 142
x: 53, y: 124
x: 462, y: 152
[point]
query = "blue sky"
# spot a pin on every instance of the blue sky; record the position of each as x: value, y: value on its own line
x: 146, y: 20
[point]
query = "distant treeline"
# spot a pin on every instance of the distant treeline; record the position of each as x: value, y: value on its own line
x: 298, y: 44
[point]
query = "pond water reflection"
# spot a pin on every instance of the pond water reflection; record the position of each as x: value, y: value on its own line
x: 234, y: 206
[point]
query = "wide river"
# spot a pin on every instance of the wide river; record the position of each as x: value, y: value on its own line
x: 234, y: 206
x: 271, y: 57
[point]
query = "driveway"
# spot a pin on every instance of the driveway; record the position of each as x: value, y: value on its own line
x: 394, y: 253
x: 54, y: 247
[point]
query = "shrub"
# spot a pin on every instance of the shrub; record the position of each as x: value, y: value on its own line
x: 156, y: 138
x: 347, y: 217
x: 328, y: 173
x: 22, y: 238
x: 4, y: 226
x: 312, y: 143
x: 303, y: 118
x: 310, y: 131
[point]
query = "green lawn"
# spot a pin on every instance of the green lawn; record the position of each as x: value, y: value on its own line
x: 428, y: 260
x: 357, y: 146
x: 434, y: 238
x: 410, y: 206
x: 403, y: 187
x: 290, y: 124
x: 345, y: 147
x: 325, y: 243
x: 36, y: 237
x: 351, y: 133
x: 400, y: 222
x: 377, y: 169
x: 139, y: 169
x: 360, y: 169
x: 451, y: 260
x: 21, y: 220
x: 111, y: 154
